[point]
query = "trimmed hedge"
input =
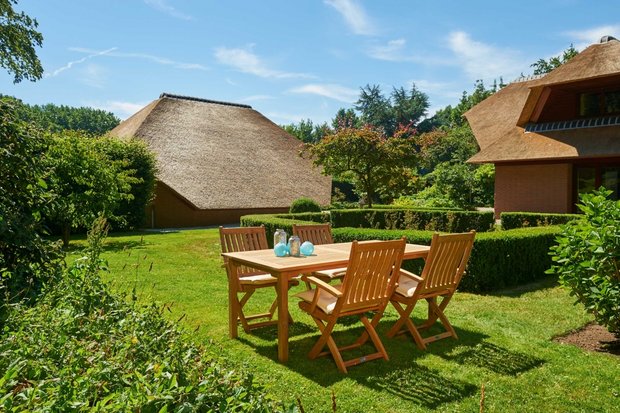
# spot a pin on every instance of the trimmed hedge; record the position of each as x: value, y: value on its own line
x: 420, y: 219
x: 499, y: 259
x: 511, y: 220
x: 304, y: 204
x: 320, y: 217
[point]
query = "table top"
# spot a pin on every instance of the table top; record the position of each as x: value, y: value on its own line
x: 325, y: 256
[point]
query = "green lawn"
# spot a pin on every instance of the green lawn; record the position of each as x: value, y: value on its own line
x: 505, y: 341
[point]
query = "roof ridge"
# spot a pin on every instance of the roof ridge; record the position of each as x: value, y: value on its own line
x: 527, y: 78
x: 195, y: 99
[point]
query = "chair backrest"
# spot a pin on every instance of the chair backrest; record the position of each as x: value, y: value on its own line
x: 446, y: 261
x: 318, y: 234
x: 369, y: 281
x: 243, y: 239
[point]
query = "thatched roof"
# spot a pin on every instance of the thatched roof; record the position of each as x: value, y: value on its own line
x: 498, y: 121
x: 219, y: 155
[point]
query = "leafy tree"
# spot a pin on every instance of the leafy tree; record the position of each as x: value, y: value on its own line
x: 375, y: 108
x: 135, y: 160
x: 346, y: 118
x: 587, y: 258
x: 409, y: 107
x: 87, y: 183
x: 27, y: 259
x: 456, y: 144
x: 306, y: 131
x: 56, y: 118
x: 18, y: 39
x: 543, y: 66
x: 366, y: 155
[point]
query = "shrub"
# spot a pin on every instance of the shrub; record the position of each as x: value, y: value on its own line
x: 304, y: 204
x: 27, y: 259
x: 511, y: 220
x: 83, y: 348
x: 587, y: 258
x: 421, y: 219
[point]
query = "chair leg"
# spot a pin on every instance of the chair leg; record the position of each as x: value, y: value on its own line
x: 404, y: 314
x: 326, y: 338
x: 438, y: 311
x: 374, y: 337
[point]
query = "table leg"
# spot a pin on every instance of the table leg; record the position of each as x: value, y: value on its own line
x: 282, y: 291
x: 232, y: 301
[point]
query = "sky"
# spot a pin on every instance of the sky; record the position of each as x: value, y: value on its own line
x: 294, y: 59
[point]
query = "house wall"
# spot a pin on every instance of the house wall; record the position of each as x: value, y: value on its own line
x: 170, y: 210
x: 533, y: 188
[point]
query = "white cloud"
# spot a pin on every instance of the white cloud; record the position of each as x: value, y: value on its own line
x: 91, y: 54
x: 354, y: 15
x: 483, y: 61
x: 247, y: 62
x: 121, y: 109
x: 584, y: 38
x: 396, y: 51
x: 155, y: 59
x: 283, y: 117
x: 163, y: 6
x: 337, y: 92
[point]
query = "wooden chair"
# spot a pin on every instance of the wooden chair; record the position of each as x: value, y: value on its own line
x: 319, y: 234
x: 440, y: 277
x: 366, y: 287
x: 249, y: 279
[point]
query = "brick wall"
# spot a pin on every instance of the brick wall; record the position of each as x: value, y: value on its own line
x: 533, y: 188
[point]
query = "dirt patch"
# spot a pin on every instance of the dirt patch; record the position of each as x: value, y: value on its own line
x: 593, y: 337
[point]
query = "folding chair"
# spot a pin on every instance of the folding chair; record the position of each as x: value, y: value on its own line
x: 440, y: 277
x: 319, y: 234
x: 366, y: 287
x: 249, y: 279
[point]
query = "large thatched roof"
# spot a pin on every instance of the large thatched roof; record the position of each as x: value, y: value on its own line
x: 219, y: 155
x: 499, y: 121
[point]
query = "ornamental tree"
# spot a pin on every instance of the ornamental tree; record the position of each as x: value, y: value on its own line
x: 372, y: 160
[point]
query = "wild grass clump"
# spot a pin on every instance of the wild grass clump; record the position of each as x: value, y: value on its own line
x: 83, y: 348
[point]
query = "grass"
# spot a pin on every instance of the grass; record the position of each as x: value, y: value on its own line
x: 505, y: 341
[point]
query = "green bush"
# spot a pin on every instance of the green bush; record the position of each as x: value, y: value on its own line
x: 422, y: 219
x: 499, y: 259
x: 511, y: 220
x: 27, y: 259
x: 82, y: 348
x: 587, y: 258
x: 320, y: 217
x: 304, y: 204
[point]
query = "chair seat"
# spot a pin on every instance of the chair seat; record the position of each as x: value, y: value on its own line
x: 258, y: 279
x: 406, y: 286
x: 326, y: 302
x: 335, y: 273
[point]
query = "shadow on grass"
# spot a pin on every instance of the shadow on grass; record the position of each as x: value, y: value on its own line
x: 518, y: 291
x: 494, y: 358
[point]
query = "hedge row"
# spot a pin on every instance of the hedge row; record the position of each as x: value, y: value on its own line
x: 511, y: 220
x: 499, y: 259
x: 320, y: 217
x: 420, y: 219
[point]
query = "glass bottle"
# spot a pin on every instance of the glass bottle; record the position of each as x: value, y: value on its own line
x: 279, y: 236
x: 294, y: 246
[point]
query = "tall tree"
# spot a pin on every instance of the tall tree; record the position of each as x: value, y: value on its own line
x: 375, y: 109
x: 409, y: 107
x: 543, y: 66
x: 306, y: 131
x: 346, y: 118
x: 18, y: 39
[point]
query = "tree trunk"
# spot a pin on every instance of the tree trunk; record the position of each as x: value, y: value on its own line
x: 66, y: 231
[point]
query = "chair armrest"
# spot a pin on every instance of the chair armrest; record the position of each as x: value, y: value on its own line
x: 322, y: 285
x: 410, y: 275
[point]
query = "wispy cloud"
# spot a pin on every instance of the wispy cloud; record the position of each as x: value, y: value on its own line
x: 484, y: 61
x: 354, y: 15
x: 584, y: 38
x: 163, y: 6
x: 246, y: 61
x: 155, y: 59
x: 396, y: 51
x: 93, y: 75
x: 284, y: 117
x: 91, y: 54
x: 121, y: 109
x: 337, y: 92
x: 255, y: 98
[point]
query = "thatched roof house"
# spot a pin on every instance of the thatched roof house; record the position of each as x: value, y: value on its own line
x: 218, y: 161
x: 554, y: 136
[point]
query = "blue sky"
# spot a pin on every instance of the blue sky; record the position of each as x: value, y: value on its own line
x: 293, y: 59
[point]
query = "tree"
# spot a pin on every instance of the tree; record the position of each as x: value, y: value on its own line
x: 409, y: 107
x: 543, y: 66
x: 456, y: 144
x: 18, y: 39
x: 375, y: 109
x: 306, y: 131
x: 86, y: 182
x: 27, y: 259
x: 367, y: 155
x: 346, y: 118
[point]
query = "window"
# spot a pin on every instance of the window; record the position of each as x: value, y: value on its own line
x: 588, y: 178
x: 594, y: 104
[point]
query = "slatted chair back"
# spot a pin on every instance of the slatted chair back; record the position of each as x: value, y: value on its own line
x: 371, y: 275
x: 446, y: 262
x: 243, y: 239
x: 318, y: 234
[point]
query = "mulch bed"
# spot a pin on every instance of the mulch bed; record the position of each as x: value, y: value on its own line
x: 593, y: 337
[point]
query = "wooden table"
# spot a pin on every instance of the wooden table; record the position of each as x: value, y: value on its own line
x: 325, y: 257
